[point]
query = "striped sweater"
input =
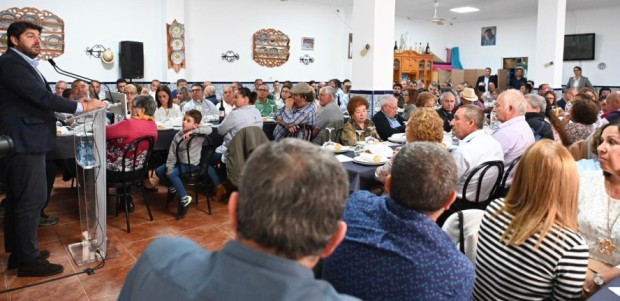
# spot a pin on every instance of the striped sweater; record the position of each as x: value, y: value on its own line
x: 556, y: 270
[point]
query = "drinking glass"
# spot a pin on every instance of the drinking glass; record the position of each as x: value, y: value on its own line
x: 359, y: 134
x: 359, y: 148
x: 273, y: 111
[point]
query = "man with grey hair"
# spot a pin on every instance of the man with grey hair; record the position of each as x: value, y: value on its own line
x: 393, y: 249
x: 228, y: 97
x: 387, y: 121
x: 535, y: 117
x: 210, y: 94
x: 434, y: 88
x: 60, y: 87
x: 476, y: 147
x: 447, y: 110
x: 284, y: 222
x: 330, y: 115
x: 567, y: 97
x: 514, y: 134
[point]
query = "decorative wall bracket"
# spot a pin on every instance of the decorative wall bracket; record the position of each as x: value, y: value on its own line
x: 95, y: 51
x: 306, y: 59
x: 230, y: 56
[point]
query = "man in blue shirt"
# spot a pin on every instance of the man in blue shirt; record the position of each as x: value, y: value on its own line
x: 393, y: 249
x: 285, y: 221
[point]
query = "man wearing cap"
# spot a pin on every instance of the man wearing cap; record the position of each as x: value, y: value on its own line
x: 264, y: 104
x: 468, y: 97
x: 387, y: 121
x: 298, y: 116
x: 328, y: 116
x: 27, y: 106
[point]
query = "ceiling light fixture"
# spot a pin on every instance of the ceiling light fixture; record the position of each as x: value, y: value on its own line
x: 464, y: 9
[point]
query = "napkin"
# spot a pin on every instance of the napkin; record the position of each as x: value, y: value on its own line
x: 398, y: 137
x: 615, y: 290
x: 370, y: 157
x: 343, y: 158
x: 381, y: 150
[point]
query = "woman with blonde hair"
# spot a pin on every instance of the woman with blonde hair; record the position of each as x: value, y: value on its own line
x: 528, y: 246
x: 424, y: 125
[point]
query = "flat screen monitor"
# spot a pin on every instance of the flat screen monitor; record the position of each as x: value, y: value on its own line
x: 118, y: 101
x: 579, y: 47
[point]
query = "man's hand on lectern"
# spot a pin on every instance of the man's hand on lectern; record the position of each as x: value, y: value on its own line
x: 92, y: 104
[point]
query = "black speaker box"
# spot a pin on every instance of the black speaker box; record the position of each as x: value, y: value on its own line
x: 131, y: 59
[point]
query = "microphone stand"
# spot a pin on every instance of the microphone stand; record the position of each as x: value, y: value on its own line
x: 76, y: 76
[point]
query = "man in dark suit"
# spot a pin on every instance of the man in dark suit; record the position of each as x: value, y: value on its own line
x: 387, y: 121
x: 27, y: 107
x: 482, y: 84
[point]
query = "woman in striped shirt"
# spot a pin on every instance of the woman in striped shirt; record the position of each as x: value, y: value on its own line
x: 528, y: 247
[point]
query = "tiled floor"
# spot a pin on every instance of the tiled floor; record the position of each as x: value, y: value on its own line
x: 211, y: 231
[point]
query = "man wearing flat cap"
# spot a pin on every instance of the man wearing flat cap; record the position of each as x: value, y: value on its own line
x: 298, y: 117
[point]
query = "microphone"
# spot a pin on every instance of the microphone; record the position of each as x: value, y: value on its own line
x: 75, y: 76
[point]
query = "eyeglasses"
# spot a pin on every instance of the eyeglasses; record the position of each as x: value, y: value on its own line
x: 131, y: 93
x: 392, y: 107
x: 195, y: 90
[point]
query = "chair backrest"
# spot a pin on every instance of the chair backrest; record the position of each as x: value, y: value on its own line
x: 304, y: 132
x: 202, y: 160
x: 509, y: 172
x: 240, y: 148
x: 480, y: 172
x: 136, y: 157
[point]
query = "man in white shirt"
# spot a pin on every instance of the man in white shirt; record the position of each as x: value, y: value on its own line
x: 329, y: 115
x: 476, y: 147
x: 198, y: 102
x: 229, y: 99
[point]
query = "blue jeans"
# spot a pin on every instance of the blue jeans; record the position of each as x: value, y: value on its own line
x: 215, y: 160
x: 174, y: 178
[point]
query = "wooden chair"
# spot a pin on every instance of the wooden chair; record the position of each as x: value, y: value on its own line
x: 134, y: 168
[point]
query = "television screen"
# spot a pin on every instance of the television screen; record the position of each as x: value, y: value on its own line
x: 579, y: 47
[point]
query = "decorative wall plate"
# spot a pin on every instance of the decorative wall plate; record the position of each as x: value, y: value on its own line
x: 177, y: 44
x: 3, y: 40
x: 177, y: 57
x: 264, y: 52
x: 6, y: 18
x: 54, y: 41
x: 176, y: 30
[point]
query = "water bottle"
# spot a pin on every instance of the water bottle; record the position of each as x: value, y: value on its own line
x: 494, y: 122
x: 89, y: 156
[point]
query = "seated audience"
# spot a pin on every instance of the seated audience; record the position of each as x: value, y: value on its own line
x: 424, y: 125
x: 583, y: 116
x: 123, y: 133
x: 535, y: 117
x: 447, y: 110
x: 514, y: 134
x: 567, y: 97
x: 613, y: 108
x: 279, y: 237
x: 169, y: 174
x: 182, y: 97
x: 265, y: 105
x: 393, y: 249
x: 298, y: 116
x: 358, y: 110
x: 559, y: 131
x: 599, y: 208
x: 387, y: 121
x: 329, y: 114
x: 166, y: 109
x: 409, y: 98
x: 198, y: 102
x: 243, y: 116
x: 476, y: 147
x: 528, y: 244
x: 285, y: 93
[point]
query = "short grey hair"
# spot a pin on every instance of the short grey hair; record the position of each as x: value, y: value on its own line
x: 445, y: 94
x: 536, y: 101
x: 387, y: 99
x: 329, y: 90
x: 424, y: 175
x: 296, y: 203
x: 475, y: 113
x: 515, y: 99
x: 147, y: 102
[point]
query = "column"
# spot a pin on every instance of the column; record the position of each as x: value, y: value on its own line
x: 548, y: 62
x: 373, y: 49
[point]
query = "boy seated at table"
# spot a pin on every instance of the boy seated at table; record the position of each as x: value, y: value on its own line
x: 169, y: 173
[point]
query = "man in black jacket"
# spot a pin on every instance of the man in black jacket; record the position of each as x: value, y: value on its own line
x: 27, y: 106
x: 482, y: 84
x: 387, y: 121
x: 535, y: 117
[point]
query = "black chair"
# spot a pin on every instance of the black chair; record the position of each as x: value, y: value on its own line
x: 196, y: 178
x: 502, y: 190
x: 134, y: 168
x: 338, y: 135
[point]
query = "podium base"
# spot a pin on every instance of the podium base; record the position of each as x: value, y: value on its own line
x: 84, y: 252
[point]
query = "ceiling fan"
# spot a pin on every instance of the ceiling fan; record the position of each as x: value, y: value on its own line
x: 436, y: 19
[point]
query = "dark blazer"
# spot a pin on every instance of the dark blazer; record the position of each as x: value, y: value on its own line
x: 383, y: 125
x: 27, y: 106
x: 492, y: 79
x: 535, y: 120
x: 583, y: 82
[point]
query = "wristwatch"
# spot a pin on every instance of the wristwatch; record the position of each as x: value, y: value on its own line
x: 599, y: 280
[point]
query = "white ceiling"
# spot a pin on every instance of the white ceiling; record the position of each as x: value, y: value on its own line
x: 489, y: 9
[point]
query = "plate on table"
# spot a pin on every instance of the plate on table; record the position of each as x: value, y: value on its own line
x: 339, y: 148
x: 362, y: 160
x: 398, y: 138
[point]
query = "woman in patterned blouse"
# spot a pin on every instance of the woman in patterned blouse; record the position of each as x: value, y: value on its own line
x: 583, y: 114
x: 358, y: 110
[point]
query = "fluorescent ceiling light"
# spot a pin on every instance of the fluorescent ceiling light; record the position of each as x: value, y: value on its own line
x: 464, y: 9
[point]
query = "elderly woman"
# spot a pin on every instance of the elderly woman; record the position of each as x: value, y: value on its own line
x: 166, y: 109
x: 529, y: 247
x: 583, y: 115
x: 424, y: 125
x: 123, y: 133
x: 358, y: 110
x: 298, y: 116
x: 599, y: 209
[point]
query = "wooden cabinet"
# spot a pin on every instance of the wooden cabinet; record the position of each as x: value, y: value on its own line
x: 413, y: 65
